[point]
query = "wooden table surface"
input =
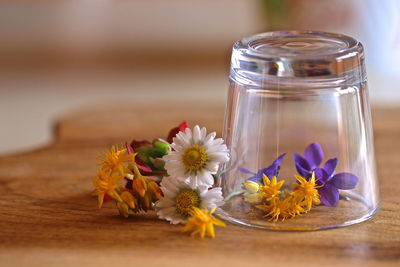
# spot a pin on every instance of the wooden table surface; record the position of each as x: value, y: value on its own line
x: 48, y: 218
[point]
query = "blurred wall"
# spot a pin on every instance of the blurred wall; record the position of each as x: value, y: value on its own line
x: 122, y: 32
x: 376, y: 23
x: 61, y: 55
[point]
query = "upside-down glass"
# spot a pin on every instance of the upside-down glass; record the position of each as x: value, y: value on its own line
x: 288, y: 90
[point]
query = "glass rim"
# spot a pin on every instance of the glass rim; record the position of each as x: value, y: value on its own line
x: 346, y: 45
x: 307, y: 56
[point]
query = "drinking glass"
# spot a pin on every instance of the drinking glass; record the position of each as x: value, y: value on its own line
x: 302, y: 95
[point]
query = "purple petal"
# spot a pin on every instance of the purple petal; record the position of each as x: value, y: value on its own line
x: 344, y: 180
x: 314, y: 155
x: 321, y: 175
x: 270, y: 171
x: 329, y: 195
x: 254, y: 179
x: 279, y: 159
x: 273, y: 169
x: 262, y: 171
x: 302, y: 162
x: 303, y: 172
x: 330, y: 166
x: 258, y: 177
x: 302, y: 166
x: 246, y: 171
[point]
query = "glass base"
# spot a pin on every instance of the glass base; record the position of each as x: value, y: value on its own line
x: 351, y: 209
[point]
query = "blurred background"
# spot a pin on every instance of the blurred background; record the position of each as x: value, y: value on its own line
x: 57, y: 57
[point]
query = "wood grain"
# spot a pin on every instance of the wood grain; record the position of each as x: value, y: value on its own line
x: 48, y: 218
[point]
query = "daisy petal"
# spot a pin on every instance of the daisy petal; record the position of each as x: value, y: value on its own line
x: 205, y: 178
x: 203, y: 133
x: 220, y: 156
x: 193, y: 181
x: 208, y: 141
x: 196, y: 134
x: 165, y: 203
x: 212, y: 167
x: 172, y: 156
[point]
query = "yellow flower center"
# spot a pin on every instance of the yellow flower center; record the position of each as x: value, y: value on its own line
x: 309, y: 189
x: 185, y: 200
x: 194, y: 158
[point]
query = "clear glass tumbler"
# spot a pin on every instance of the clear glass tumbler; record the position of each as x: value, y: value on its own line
x: 298, y: 112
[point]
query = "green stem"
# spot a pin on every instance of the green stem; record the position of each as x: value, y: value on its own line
x: 136, y: 170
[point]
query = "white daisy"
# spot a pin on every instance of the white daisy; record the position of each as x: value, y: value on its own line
x: 180, y: 197
x: 196, y: 157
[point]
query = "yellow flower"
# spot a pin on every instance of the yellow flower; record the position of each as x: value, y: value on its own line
x: 186, y: 200
x: 296, y: 209
x: 146, y: 201
x: 114, y: 160
x: 155, y: 190
x: 139, y: 186
x: 123, y: 209
x: 106, y: 184
x: 251, y: 187
x: 270, y: 189
x: 252, y: 194
x: 202, y: 222
x: 194, y: 158
x: 289, y: 205
x: 277, y: 208
x: 129, y: 199
x: 306, y: 192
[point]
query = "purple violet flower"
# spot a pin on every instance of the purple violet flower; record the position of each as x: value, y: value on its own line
x: 313, y: 157
x: 329, y: 192
x: 270, y: 171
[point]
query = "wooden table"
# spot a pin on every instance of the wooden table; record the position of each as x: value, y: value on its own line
x: 48, y: 218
